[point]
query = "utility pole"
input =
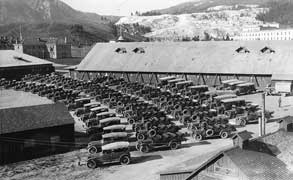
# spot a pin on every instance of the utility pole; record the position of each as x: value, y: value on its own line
x: 263, y: 113
x: 262, y: 119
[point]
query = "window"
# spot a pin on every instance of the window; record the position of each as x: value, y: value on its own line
x: 121, y: 50
x: 29, y: 143
x: 242, y: 50
x: 267, y: 50
x: 139, y: 50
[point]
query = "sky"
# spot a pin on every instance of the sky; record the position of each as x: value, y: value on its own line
x: 120, y: 7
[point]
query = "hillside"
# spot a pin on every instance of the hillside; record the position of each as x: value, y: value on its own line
x: 196, y: 6
x: 216, y: 22
x: 53, y: 18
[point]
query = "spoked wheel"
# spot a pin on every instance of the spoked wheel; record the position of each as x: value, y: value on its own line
x: 92, y: 150
x: 91, y: 164
x: 173, y: 146
x: 243, y: 122
x: 131, y: 121
x: 198, y: 137
x: 137, y: 146
x: 140, y: 137
x: 124, y: 160
x: 152, y: 133
x: 144, y: 149
x: 224, y: 135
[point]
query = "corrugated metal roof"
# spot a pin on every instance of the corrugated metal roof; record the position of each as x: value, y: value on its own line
x: 282, y: 77
x: 10, y: 58
x: 258, y: 166
x: 192, y: 57
x: 34, y: 117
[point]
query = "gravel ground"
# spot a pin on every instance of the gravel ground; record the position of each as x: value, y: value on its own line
x: 144, y: 166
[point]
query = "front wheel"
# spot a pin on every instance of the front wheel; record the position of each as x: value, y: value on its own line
x: 198, y: 137
x: 137, y: 146
x: 144, y: 149
x: 243, y: 122
x: 224, y: 135
x: 124, y: 160
x: 91, y: 164
x: 173, y: 146
x: 92, y: 150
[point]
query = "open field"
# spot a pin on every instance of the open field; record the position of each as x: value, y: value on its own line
x: 144, y: 166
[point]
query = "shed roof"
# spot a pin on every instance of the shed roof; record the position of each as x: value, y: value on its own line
x: 255, y: 165
x: 258, y: 166
x: 25, y: 111
x: 282, y: 77
x: 191, y: 57
x: 10, y: 58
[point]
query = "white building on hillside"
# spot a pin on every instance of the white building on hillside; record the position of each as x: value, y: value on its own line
x: 277, y: 34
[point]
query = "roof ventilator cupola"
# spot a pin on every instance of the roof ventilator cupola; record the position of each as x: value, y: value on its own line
x: 139, y: 50
x: 267, y: 50
x: 121, y: 50
x: 242, y: 50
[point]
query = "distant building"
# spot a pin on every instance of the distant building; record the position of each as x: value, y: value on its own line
x: 51, y: 48
x: 14, y: 65
x: 32, y: 127
x: 276, y: 34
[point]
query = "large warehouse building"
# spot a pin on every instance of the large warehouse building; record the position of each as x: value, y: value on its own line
x: 14, y: 65
x: 32, y: 126
x: 203, y: 62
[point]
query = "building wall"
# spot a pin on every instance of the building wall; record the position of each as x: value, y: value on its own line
x: 281, y: 34
x: 27, y: 145
x: 19, y: 71
x: 63, y: 50
x: 39, y: 51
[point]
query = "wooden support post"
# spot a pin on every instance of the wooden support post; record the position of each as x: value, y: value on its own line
x: 152, y: 76
x: 137, y: 76
x: 263, y: 113
x: 204, y: 81
x: 185, y: 75
x: 215, y: 82
x: 82, y: 77
x: 157, y: 79
x: 127, y: 75
x: 220, y: 79
x: 198, y: 79
x: 256, y: 80
x: 141, y: 76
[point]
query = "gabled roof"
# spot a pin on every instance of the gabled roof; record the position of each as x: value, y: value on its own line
x: 255, y: 165
x: 11, y: 58
x: 258, y: 166
x: 282, y: 77
x: 244, y: 135
x: 22, y: 111
x: 217, y: 57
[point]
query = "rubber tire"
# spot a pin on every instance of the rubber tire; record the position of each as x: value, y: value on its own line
x: 198, y: 137
x: 173, y: 145
x: 137, y: 146
x: 92, y: 150
x: 131, y: 121
x: 91, y: 164
x: 144, y: 149
x: 243, y: 122
x: 152, y: 133
x: 124, y: 160
x: 224, y: 135
x: 209, y: 134
x: 140, y: 137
